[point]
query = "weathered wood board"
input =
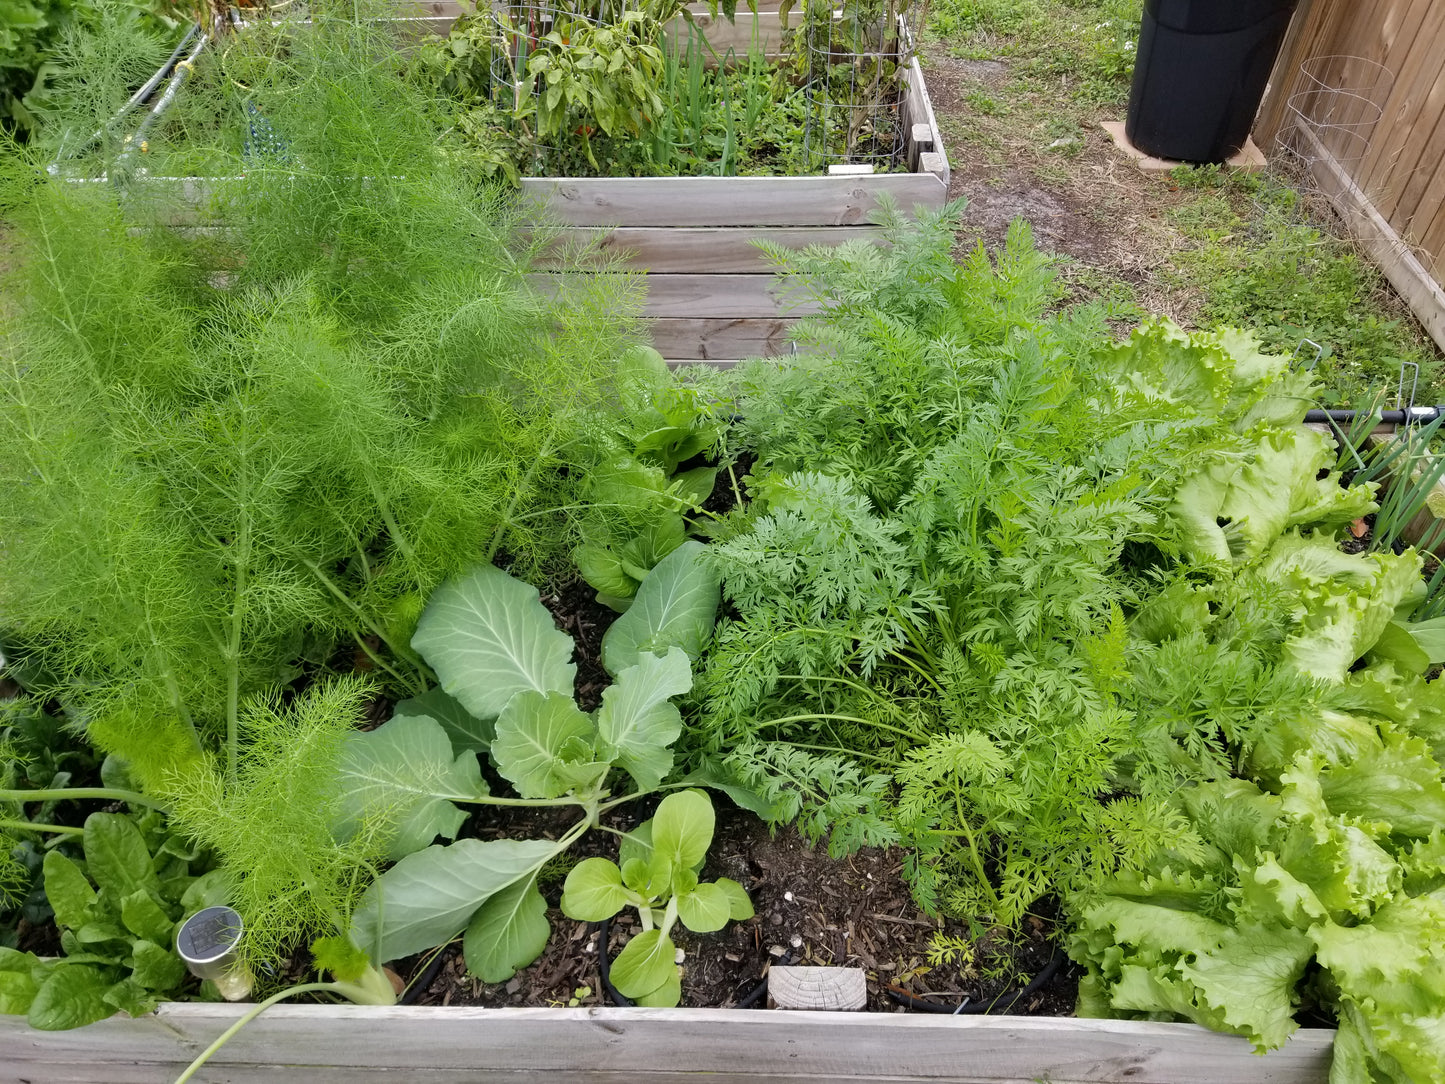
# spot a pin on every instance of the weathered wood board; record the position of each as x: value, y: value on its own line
x: 728, y: 201
x: 343, y: 1044
x: 728, y: 250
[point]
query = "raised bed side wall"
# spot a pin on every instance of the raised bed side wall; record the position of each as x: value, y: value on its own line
x: 1386, y: 176
x: 324, y: 1044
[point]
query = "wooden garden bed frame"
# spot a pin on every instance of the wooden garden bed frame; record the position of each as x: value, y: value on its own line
x: 324, y: 1044
x: 712, y: 298
x: 711, y: 294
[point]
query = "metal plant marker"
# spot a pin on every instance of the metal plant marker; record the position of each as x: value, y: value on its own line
x: 207, y: 942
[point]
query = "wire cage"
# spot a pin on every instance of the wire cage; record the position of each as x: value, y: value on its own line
x: 521, y: 29
x: 852, y: 59
x: 1335, y: 111
x: 1330, y: 123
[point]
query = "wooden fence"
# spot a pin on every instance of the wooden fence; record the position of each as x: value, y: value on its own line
x: 1358, y: 95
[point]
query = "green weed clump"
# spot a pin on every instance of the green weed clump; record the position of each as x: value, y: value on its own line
x: 242, y: 453
x: 1261, y: 262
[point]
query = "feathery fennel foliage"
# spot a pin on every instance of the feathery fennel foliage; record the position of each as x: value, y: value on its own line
x: 953, y: 512
x: 237, y: 456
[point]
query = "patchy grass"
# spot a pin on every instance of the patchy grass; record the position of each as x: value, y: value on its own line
x: 1021, y: 86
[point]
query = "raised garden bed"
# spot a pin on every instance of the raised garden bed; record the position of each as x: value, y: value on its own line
x: 712, y: 296
x: 627, y: 1046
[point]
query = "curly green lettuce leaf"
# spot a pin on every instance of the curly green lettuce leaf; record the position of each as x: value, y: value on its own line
x: 1343, y: 602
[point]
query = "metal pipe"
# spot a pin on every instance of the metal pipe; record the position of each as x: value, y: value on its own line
x: 137, y: 139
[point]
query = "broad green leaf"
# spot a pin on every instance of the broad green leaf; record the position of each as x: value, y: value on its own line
x: 636, y: 844
x: 637, y: 875
x: 488, y: 637
x: 208, y: 890
x: 98, y: 933
x: 644, y: 964
x: 156, y: 968
x: 641, y: 373
x: 636, y: 721
x: 116, y: 855
x: 1430, y: 636
x: 675, y: 607
x: 715, y: 777
x: 508, y: 933
x: 654, y: 542
x: 541, y: 743
x: 68, y: 891
x: 593, y: 891
x: 130, y: 996
x: 428, y: 897
x: 740, y: 907
x: 405, y: 773
x: 682, y: 828
x: 695, y: 486
x: 665, y: 996
x: 20, y: 976
x: 467, y: 732
x: 1250, y: 981
x: 602, y: 569
x: 145, y: 918
x: 72, y: 996
x: 1398, y: 644
x: 705, y: 909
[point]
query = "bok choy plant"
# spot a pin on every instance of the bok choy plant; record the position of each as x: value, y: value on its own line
x: 496, y: 651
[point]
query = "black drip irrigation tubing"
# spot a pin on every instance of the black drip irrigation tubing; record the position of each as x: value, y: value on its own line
x: 1420, y: 415
x: 418, y: 985
x: 1000, y: 1004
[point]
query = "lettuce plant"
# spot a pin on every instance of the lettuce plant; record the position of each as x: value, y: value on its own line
x: 658, y: 875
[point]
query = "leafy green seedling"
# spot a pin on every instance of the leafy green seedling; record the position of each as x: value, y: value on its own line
x: 638, y: 498
x: 117, y: 909
x: 658, y: 875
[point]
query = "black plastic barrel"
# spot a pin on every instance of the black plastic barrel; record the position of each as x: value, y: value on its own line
x: 1200, y: 73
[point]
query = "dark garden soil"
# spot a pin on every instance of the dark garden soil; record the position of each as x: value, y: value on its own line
x: 810, y: 909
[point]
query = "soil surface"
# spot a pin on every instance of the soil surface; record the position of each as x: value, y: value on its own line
x: 811, y: 909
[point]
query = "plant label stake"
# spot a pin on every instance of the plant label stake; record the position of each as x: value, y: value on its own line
x: 207, y: 943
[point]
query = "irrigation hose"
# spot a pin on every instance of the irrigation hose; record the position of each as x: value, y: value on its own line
x: 1419, y: 415
x: 1000, y: 1004
x: 417, y: 986
x: 140, y: 97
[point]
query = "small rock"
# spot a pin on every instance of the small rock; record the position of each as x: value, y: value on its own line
x: 797, y: 941
x: 514, y: 984
x: 777, y: 950
x: 776, y: 919
x: 679, y: 956
x: 788, y: 896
